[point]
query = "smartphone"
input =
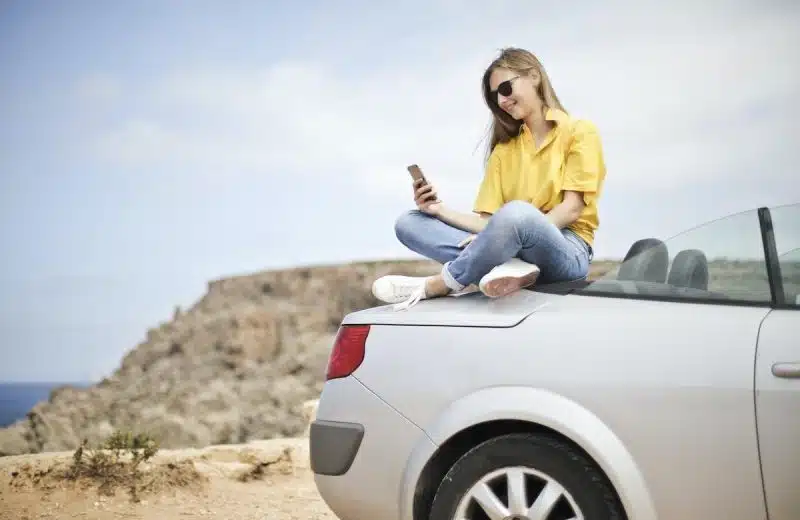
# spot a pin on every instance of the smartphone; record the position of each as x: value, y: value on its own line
x: 417, y: 174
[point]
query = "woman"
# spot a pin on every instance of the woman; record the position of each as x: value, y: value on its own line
x: 535, y: 214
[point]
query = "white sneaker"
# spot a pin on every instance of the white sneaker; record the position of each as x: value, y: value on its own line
x: 508, y: 277
x: 402, y: 291
x: 406, y: 291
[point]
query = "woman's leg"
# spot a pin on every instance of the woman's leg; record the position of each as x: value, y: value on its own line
x: 429, y: 236
x: 519, y: 230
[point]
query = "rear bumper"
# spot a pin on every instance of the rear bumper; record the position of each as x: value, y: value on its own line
x: 359, y: 450
x: 333, y: 446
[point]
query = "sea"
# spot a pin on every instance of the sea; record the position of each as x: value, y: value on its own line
x: 16, y: 399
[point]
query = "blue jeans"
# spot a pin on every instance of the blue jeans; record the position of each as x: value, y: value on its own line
x: 518, y: 229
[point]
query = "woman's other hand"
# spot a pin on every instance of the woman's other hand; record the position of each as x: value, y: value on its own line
x: 466, y: 241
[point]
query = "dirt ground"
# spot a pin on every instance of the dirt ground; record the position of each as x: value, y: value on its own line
x: 264, y: 480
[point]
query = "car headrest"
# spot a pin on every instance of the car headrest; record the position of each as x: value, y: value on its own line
x: 647, y: 261
x: 689, y: 269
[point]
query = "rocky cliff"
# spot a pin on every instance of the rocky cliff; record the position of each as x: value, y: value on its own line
x: 234, y: 367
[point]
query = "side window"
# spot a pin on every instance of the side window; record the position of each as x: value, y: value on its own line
x: 722, y: 261
x: 786, y: 228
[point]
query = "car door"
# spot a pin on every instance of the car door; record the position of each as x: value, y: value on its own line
x: 778, y: 375
x: 701, y: 298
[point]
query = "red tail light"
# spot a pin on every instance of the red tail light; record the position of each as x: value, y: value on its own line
x: 348, y: 351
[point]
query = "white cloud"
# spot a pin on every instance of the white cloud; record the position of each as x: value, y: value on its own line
x: 672, y: 88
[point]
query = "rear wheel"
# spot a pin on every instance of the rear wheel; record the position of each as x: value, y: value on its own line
x: 525, y: 477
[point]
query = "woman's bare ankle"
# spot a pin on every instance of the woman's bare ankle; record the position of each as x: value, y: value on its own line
x: 435, y: 286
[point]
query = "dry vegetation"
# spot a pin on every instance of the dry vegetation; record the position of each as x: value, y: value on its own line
x: 122, y: 462
x: 129, y: 477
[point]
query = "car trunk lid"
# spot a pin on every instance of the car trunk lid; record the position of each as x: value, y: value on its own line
x: 471, y: 310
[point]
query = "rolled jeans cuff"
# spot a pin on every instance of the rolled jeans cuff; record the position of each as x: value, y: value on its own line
x: 449, y: 281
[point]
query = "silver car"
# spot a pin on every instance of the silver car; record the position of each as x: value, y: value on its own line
x: 667, y: 389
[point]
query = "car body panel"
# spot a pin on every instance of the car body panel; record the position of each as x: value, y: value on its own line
x: 667, y: 379
x: 540, y: 406
x: 424, y: 450
x: 470, y: 310
x: 778, y: 413
x: 371, y: 486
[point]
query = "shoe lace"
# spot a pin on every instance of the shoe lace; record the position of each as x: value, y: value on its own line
x: 414, y: 296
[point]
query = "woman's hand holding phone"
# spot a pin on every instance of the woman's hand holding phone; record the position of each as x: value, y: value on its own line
x: 427, y: 201
x: 426, y: 198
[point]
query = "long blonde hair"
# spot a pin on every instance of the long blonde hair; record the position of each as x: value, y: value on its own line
x: 503, y: 127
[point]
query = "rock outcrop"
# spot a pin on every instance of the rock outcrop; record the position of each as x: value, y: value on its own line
x: 236, y: 366
x: 241, y: 364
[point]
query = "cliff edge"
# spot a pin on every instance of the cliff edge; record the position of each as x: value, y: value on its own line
x: 235, y: 367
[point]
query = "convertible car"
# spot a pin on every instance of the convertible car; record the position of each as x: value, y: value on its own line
x: 668, y: 388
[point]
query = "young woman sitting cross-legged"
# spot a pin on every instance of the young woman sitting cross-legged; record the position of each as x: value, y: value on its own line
x: 535, y: 214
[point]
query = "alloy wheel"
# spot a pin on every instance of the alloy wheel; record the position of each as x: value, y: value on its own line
x: 517, y: 493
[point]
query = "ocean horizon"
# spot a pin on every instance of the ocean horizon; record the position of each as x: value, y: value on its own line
x: 17, y: 398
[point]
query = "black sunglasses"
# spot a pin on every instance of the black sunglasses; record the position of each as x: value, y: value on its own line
x: 504, y: 88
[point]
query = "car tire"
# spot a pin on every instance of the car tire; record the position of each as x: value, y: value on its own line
x: 585, y: 487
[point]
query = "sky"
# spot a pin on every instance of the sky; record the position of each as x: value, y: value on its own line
x: 148, y: 147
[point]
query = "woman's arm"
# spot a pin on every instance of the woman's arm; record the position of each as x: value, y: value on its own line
x: 568, y: 210
x: 471, y: 222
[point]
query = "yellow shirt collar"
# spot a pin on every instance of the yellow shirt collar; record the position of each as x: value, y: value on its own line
x: 551, y: 114
x: 554, y: 114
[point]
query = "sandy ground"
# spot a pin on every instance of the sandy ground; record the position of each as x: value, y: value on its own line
x: 283, y: 490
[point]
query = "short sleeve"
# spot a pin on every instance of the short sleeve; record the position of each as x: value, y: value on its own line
x: 585, y: 169
x: 490, y: 195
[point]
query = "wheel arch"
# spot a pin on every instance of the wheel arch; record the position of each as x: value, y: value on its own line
x: 498, y: 411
